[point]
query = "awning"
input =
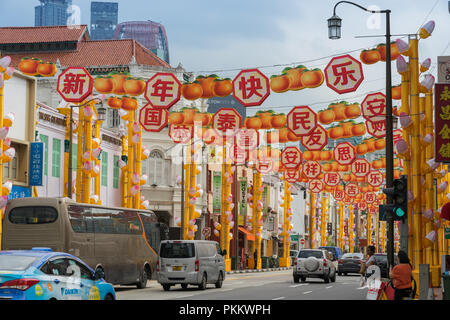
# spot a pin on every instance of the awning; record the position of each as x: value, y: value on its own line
x: 248, y: 234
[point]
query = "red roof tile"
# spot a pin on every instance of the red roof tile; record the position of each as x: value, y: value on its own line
x: 43, y: 34
x: 97, y: 53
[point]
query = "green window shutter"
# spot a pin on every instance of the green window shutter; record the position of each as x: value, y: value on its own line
x: 116, y: 173
x: 44, y: 139
x: 56, y: 158
x: 74, y: 156
x: 104, y: 169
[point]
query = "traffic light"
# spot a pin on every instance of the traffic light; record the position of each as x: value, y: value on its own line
x: 399, y: 194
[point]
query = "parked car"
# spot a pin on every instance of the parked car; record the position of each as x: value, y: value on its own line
x: 190, y: 262
x: 314, y: 263
x: 350, y: 263
x: 41, y: 274
x: 336, y: 251
x: 293, y: 254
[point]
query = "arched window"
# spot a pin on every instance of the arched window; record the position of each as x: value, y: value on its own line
x: 157, y: 168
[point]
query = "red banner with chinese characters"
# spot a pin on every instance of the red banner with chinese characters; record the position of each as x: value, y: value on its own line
x: 442, y: 122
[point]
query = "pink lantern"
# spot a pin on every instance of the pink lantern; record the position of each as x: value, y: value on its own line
x: 428, y: 214
x: 134, y: 190
x: 191, y: 233
x: 402, y: 65
x: 88, y: 112
x: 3, y: 201
x: 87, y: 166
x: 192, y: 222
x: 87, y: 156
x: 135, y: 178
x: 136, y: 127
x: 216, y: 233
x: 443, y: 185
x: 192, y: 201
x: 402, y: 46
x: 405, y: 120
x: 4, y: 132
x: 136, y: 138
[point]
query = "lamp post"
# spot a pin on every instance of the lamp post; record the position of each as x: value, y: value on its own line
x: 334, y: 32
x: 101, y: 111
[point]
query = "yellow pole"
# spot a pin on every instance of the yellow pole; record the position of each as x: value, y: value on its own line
x: 285, y: 260
x: 192, y: 184
x: 138, y: 164
x: 1, y: 161
x: 187, y: 183
x: 97, y: 180
x: 80, y: 148
x: 88, y: 148
x: 66, y: 156
x: 369, y: 228
x: 258, y: 235
x: 131, y: 158
x: 227, y: 208
x: 124, y: 191
x: 313, y: 219
x: 416, y: 155
x: 341, y: 224
x: 350, y: 229
x: 324, y: 220
x: 378, y: 233
x: 407, y: 160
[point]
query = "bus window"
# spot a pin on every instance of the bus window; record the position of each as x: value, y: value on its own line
x: 103, y: 222
x: 80, y: 219
x: 33, y: 215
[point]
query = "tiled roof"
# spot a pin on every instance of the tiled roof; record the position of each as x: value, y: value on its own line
x: 98, y: 53
x: 43, y: 34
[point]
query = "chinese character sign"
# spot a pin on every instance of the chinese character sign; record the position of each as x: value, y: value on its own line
x: 344, y: 153
x: 312, y: 169
x: 315, y: 186
x: 180, y: 133
x: 373, y: 106
x: 75, y: 84
x: 442, y: 122
x: 163, y: 90
x: 226, y: 121
x: 251, y: 87
x: 36, y: 163
x: 291, y: 157
x: 291, y: 175
x: 338, y: 195
x: 153, y: 120
x: 301, y: 121
x: 331, y: 179
x: 344, y: 74
x: 376, y: 128
x: 237, y: 155
x: 317, y: 140
x: 375, y: 178
x: 247, y: 139
x: 264, y: 165
x: 360, y: 167
x: 351, y: 189
x: 370, y: 197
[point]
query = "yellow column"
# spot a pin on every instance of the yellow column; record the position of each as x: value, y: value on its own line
x: 80, y: 148
x: 323, y: 227
x: 131, y: 158
x: 351, y: 234
x: 258, y: 217
x: 341, y: 224
x: 66, y: 156
x: 313, y: 219
x: 285, y: 260
x: 88, y: 148
x: 124, y: 183
x: 378, y: 233
x: 369, y: 228
x: 138, y: 161
x: 1, y: 162
x: 97, y: 162
x: 187, y: 183
x: 416, y: 153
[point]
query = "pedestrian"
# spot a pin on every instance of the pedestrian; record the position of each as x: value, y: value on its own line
x: 369, y: 261
x: 401, y: 276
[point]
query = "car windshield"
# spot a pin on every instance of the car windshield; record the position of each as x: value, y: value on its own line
x: 15, y: 263
x: 310, y: 253
x: 347, y: 256
x: 358, y: 256
x: 330, y: 249
x: 177, y: 250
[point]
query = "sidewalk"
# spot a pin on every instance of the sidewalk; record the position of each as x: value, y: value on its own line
x: 257, y: 270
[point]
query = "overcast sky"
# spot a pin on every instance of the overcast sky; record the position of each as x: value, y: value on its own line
x: 219, y: 36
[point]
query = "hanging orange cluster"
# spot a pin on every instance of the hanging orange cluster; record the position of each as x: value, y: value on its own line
x: 37, y: 67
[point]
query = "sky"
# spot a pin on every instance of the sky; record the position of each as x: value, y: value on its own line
x: 223, y: 37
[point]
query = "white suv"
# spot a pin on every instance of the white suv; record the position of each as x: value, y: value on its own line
x: 314, y: 263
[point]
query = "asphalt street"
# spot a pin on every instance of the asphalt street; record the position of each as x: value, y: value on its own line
x: 272, y: 285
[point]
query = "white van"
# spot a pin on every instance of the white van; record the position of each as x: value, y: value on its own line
x: 195, y: 262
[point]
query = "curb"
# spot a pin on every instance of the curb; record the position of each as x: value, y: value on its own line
x: 258, y: 270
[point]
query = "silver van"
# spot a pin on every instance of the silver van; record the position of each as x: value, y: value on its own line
x: 195, y: 262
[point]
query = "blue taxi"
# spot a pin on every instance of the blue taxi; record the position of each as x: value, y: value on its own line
x: 41, y: 274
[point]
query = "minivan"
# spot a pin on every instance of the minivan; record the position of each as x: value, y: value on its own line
x: 190, y: 262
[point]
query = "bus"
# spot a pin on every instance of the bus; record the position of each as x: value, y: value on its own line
x: 121, y: 242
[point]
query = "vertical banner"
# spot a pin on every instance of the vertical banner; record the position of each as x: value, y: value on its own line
x: 36, y: 163
x: 265, y: 199
x: 242, y: 200
x: 217, y: 189
x: 442, y: 122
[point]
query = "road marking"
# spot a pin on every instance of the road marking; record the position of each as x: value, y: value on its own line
x: 299, y: 285
x: 360, y: 288
x: 279, y: 298
x: 180, y: 297
x: 226, y: 290
x: 306, y: 292
x: 329, y: 287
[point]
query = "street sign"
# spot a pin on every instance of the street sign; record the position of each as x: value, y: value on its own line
x: 301, y: 121
x: 36, y: 163
x: 344, y: 74
x: 251, y: 87
x: 291, y: 157
x: 163, y: 90
x: 75, y: 84
x: 153, y: 120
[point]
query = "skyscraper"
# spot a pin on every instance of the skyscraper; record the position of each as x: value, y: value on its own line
x: 151, y: 35
x: 51, y: 13
x: 104, y: 18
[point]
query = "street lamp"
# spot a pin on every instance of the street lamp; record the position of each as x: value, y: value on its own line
x: 101, y: 111
x: 334, y: 32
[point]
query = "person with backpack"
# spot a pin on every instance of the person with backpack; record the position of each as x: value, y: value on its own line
x: 401, y: 276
